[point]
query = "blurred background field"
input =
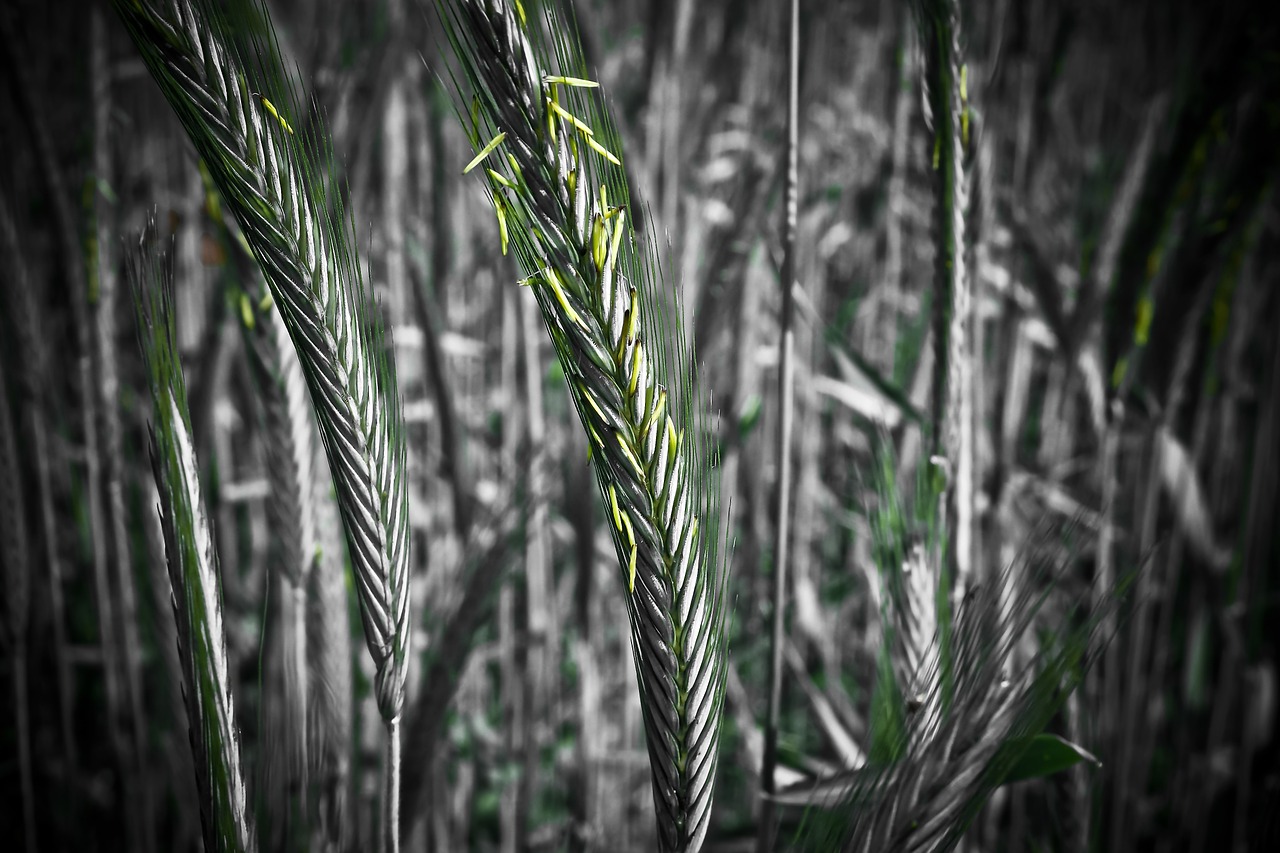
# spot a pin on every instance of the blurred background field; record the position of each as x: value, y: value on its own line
x: 1123, y: 242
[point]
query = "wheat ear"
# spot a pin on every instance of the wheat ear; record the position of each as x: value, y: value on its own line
x: 551, y: 163
x: 193, y: 567
x: 278, y: 180
x: 973, y: 724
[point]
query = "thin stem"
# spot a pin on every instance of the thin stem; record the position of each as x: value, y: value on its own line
x: 786, y: 394
x: 393, y: 785
x: 24, y: 748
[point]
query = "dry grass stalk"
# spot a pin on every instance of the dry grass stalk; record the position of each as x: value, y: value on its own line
x: 193, y: 569
x: 545, y: 146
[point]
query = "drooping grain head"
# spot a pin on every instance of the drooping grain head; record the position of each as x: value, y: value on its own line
x: 551, y: 164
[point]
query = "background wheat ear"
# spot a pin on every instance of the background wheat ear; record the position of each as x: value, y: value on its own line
x: 193, y: 565
x: 551, y: 161
x: 222, y: 74
x: 946, y: 753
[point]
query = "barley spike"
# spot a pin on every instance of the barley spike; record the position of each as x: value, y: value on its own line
x: 566, y: 208
x: 274, y: 173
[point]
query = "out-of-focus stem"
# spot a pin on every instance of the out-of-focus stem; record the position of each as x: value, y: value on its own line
x: 786, y: 392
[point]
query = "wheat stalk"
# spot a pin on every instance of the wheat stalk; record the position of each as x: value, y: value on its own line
x: 239, y: 111
x: 193, y: 567
x: 555, y: 179
x: 946, y: 95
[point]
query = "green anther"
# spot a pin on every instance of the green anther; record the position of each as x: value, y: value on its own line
x: 598, y: 248
x: 1117, y: 375
x: 613, y: 502
x: 271, y: 108
x: 515, y: 167
x: 658, y: 408
x: 553, y: 281
x: 570, y: 81
x: 1142, y: 330
x: 631, y: 457
x: 601, y: 150
x: 246, y: 311
x: 637, y: 355
x: 631, y: 540
x: 264, y: 304
x: 501, y: 179
x: 502, y: 222
x: 570, y: 117
x: 612, y: 260
x: 591, y: 401
x: 631, y: 568
x: 485, y: 152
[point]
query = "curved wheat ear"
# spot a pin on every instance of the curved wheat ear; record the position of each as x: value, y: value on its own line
x: 236, y: 106
x: 193, y: 568
x: 554, y: 177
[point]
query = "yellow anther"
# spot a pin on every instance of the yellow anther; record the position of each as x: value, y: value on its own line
x: 637, y: 360
x: 570, y: 81
x: 501, y: 179
x: 570, y: 117
x: 602, y: 151
x: 246, y: 311
x: 499, y: 208
x: 485, y: 152
x: 271, y: 108
x: 613, y: 502
x: 265, y: 303
x: 631, y: 457
x: 598, y: 248
x: 552, y: 279
x: 631, y: 571
x: 591, y: 401
x: 658, y: 408
x: 612, y: 260
x: 631, y: 540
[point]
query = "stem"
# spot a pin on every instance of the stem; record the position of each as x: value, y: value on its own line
x: 24, y: 747
x: 393, y: 786
x: 786, y: 394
